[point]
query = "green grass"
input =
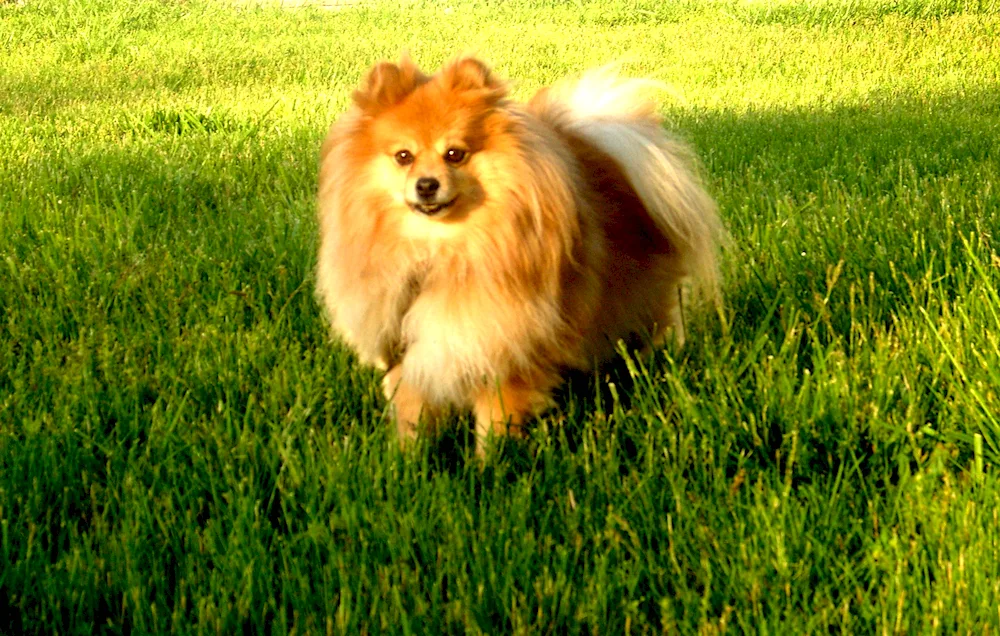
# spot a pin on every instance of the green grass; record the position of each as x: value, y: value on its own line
x: 182, y: 448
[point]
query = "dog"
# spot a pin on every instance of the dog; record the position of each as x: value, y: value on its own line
x: 477, y: 249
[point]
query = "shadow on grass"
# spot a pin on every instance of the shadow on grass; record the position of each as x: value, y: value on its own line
x: 844, y: 221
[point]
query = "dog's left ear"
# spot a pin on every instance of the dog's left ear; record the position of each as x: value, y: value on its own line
x: 469, y: 74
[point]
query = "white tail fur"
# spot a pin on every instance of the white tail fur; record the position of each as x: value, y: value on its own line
x: 618, y: 116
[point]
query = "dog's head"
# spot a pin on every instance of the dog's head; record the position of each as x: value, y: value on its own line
x: 430, y: 136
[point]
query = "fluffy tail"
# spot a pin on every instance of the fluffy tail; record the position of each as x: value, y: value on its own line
x: 619, y: 116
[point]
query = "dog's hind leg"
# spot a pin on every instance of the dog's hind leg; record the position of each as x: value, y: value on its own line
x: 670, y: 326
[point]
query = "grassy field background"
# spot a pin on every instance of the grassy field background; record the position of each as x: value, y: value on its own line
x: 182, y: 448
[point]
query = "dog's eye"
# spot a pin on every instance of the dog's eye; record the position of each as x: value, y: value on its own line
x: 455, y: 155
x: 404, y: 157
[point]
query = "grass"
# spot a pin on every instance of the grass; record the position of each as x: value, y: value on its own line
x: 182, y: 448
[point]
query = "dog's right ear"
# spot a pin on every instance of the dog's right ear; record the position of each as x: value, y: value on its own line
x: 387, y: 84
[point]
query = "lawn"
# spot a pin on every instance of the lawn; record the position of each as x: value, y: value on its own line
x: 183, y: 448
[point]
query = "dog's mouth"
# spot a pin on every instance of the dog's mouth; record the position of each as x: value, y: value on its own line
x: 431, y: 209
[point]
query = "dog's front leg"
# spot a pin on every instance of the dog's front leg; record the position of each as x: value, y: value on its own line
x: 502, y: 408
x: 406, y: 402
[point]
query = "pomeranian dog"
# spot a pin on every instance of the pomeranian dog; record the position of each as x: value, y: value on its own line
x: 477, y: 249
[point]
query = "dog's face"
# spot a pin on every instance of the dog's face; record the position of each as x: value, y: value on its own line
x: 429, y: 137
x: 427, y: 166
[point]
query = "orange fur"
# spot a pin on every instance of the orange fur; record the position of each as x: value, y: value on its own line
x: 478, y: 249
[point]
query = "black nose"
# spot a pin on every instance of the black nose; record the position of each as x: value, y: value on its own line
x: 427, y: 187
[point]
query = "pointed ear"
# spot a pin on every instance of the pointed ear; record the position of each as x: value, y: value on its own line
x: 469, y: 74
x: 388, y: 84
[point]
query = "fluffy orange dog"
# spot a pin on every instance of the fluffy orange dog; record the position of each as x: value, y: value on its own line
x: 477, y: 249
